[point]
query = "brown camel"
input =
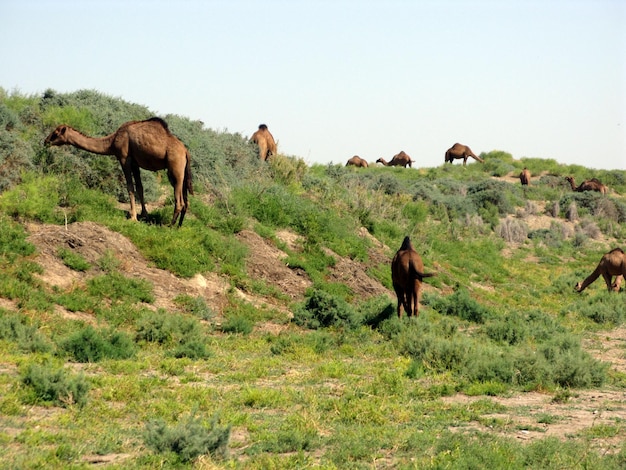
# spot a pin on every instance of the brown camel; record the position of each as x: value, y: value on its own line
x: 612, y: 264
x: 407, y: 273
x: 592, y: 184
x: 461, y: 151
x: 524, y: 177
x: 357, y: 161
x: 400, y: 159
x: 264, y: 139
x: 139, y: 144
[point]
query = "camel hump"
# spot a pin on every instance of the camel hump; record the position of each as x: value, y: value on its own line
x: 406, y: 244
x: 160, y: 121
x: 262, y: 127
x: 617, y: 250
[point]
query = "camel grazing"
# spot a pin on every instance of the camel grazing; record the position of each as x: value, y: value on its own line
x: 592, y: 184
x: 264, y: 139
x: 139, y: 144
x: 400, y: 159
x: 357, y: 161
x: 461, y: 151
x: 524, y: 177
x: 612, y: 264
x: 407, y: 273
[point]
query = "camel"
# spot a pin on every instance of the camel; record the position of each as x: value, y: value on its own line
x: 461, y: 151
x: 400, y: 159
x: 407, y: 273
x: 139, y: 144
x: 357, y: 161
x: 524, y: 177
x: 592, y: 184
x: 264, y: 139
x: 612, y: 264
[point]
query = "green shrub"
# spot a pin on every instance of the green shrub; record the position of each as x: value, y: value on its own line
x: 73, y: 260
x: 323, y: 310
x: 55, y: 386
x: 115, y: 286
x: 508, y: 329
x: 195, y: 306
x: 458, y: 304
x: 189, y: 439
x: 15, y: 327
x: 238, y: 324
x: 184, y: 334
x: 91, y: 345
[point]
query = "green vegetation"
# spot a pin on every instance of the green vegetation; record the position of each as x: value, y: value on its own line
x: 98, y: 362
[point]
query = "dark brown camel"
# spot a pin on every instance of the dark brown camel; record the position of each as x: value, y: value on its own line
x: 400, y: 159
x: 264, y: 139
x: 407, y: 273
x: 461, y: 151
x: 592, y: 184
x: 357, y: 161
x: 611, y: 264
x: 524, y: 177
x: 139, y: 144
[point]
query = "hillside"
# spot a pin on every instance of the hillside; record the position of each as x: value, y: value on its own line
x: 262, y: 333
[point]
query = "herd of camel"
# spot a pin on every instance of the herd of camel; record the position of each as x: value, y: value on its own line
x: 150, y: 145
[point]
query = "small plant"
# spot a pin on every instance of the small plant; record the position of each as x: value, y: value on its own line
x: 90, y: 345
x: 73, y: 260
x: 196, y: 306
x: 15, y: 327
x: 189, y: 439
x: 458, y: 304
x: 238, y: 324
x: 56, y: 386
x: 512, y: 230
x: 118, y: 287
x: 322, y: 310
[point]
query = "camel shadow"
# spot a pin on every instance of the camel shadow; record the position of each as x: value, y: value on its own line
x: 375, y: 321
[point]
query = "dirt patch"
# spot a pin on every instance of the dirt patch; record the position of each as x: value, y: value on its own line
x: 95, y: 242
x: 268, y: 263
x: 531, y: 416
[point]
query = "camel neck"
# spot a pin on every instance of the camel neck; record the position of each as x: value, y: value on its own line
x: 99, y: 145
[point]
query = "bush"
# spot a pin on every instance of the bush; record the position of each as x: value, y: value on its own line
x: 15, y: 327
x: 55, y: 386
x: 322, y: 310
x: 189, y: 439
x: 512, y: 230
x: 115, y: 286
x: 458, y: 304
x: 90, y: 345
x: 238, y: 324
x: 184, y: 334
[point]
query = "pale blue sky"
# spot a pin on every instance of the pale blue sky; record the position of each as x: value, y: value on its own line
x: 336, y: 78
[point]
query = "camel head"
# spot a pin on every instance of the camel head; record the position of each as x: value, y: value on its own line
x: 57, y: 137
x: 579, y: 286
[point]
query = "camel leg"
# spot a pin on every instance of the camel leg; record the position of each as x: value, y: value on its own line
x: 263, y: 150
x: 177, y: 181
x: 139, y: 188
x: 608, y: 278
x: 618, y: 282
x: 131, y: 191
x: 400, y: 296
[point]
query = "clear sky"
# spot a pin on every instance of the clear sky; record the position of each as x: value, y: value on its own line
x: 337, y: 78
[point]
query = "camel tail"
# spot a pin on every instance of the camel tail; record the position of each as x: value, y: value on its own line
x: 187, y: 183
x: 416, y: 274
